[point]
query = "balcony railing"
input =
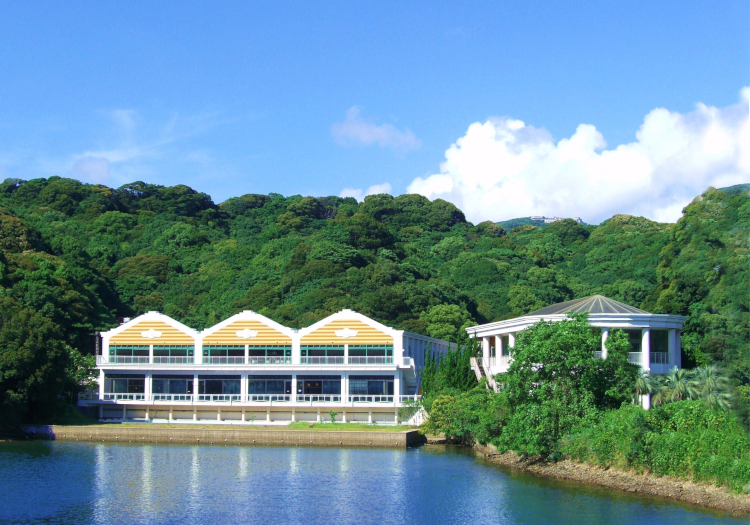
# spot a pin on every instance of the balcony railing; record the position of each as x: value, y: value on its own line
x: 173, y: 360
x: 224, y: 360
x: 409, y: 399
x: 323, y: 360
x: 635, y: 358
x: 370, y: 399
x: 88, y: 396
x: 264, y: 398
x: 659, y: 358
x: 317, y: 398
x: 370, y: 360
x: 269, y: 360
x: 177, y: 398
x: 221, y: 398
x: 123, y: 359
x: 408, y: 362
x: 124, y: 397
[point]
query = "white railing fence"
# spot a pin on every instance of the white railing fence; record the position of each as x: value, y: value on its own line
x: 222, y: 398
x: 372, y: 360
x: 318, y: 398
x: 224, y: 360
x: 659, y: 358
x: 267, y: 398
x: 269, y: 360
x: 173, y: 360
x: 179, y: 398
x: 124, y: 397
x: 635, y: 358
x: 323, y: 360
x: 370, y: 399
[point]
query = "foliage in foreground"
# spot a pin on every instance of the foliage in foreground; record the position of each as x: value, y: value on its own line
x: 686, y: 439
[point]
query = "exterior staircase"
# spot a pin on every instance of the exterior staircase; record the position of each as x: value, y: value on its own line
x: 479, y: 369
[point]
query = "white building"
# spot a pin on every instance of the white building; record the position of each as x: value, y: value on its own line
x: 655, y: 338
x: 249, y: 369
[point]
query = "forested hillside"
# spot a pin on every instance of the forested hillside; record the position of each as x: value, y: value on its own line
x: 75, y: 257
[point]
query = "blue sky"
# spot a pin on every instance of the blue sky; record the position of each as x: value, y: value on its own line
x: 316, y: 98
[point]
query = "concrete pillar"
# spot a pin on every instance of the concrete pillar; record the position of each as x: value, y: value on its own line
x: 101, y: 385
x: 170, y: 414
x: 268, y: 415
x: 294, y: 416
x: 151, y: 354
x: 498, y: 346
x: 247, y: 354
x: 605, y: 336
x: 243, y: 414
x: 646, y: 349
x: 369, y: 417
x: 396, y: 387
x: 317, y: 419
x: 218, y: 414
x: 343, y: 416
x: 678, y: 349
x: 296, y: 350
x: 485, y: 347
x: 294, y: 388
x: 147, y: 408
x: 672, y: 345
x: 346, y: 354
x: 646, y: 401
x: 148, y: 387
x: 195, y: 414
x: 511, y: 341
x: 395, y: 419
x: 344, y: 391
x: 243, y: 386
x: 195, y: 387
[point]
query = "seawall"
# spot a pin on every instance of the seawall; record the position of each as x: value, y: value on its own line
x: 234, y: 436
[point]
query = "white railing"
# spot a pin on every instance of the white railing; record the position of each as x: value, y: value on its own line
x: 489, y: 362
x: 598, y: 354
x: 318, y: 398
x: 408, y: 399
x: 370, y: 360
x: 269, y: 360
x: 173, y: 360
x: 124, y: 397
x: 266, y: 398
x: 635, y: 358
x: 370, y: 399
x: 224, y: 360
x: 88, y: 396
x: 323, y: 360
x: 408, y: 362
x: 179, y: 398
x: 223, y: 398
x: 123, y: 359
x: 659, y: 358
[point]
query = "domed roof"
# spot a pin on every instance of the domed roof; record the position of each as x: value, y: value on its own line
x: 595, y: 304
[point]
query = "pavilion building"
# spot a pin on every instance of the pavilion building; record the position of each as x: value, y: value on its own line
x: 249, y: 369
x: 655, y: 338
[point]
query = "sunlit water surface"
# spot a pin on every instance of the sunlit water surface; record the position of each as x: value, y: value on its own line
x: 55, y: 482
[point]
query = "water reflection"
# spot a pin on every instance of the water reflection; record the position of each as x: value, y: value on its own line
x: 121, y: 483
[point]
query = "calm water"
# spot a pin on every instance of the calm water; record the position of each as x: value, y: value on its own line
x: 106, y: 483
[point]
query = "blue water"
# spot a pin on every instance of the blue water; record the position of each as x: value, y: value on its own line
x: 54, y: 482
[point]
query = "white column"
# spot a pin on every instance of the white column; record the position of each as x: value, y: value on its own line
x: 294, y: 391
x: 243, y: 386
x: 498, y: 346
x: 346, y: 354
x: 672, y: 348
x: 243, y: 414
x: 646, y: 349
x: 198, y: 351
x: 296, y: 343
x: 151, y: 354
x: 195, y: 414
x: 101, y: 384
x: 396, y: 387
x: 317, y: 419
x: 148, y: 387
x: 605, y: 336
x: 170, y: 414
x: 294, y: 416
x: 485, y: 348
x: 511, y: 341
x: 343, y: 416
x: 195, y: 387
x: 268, y: 415
x: 398, y: 349
x: 247, y: 354
x: 344, y: 391
x: 646, y: 401
x: 218, y: 414
x: 369, y: 417
x: 678, y: 349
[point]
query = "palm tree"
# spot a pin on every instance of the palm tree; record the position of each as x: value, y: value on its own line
x: 643, y: 383
x: 712, y: 386
x: 678, y: 385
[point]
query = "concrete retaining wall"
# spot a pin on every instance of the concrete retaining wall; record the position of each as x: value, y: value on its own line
x: 234, y: 436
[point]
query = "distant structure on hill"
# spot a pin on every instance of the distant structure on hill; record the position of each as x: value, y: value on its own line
x: 550, y: 220
x: 537, y: 220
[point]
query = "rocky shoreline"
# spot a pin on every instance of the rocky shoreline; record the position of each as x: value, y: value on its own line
x: 683, y: 490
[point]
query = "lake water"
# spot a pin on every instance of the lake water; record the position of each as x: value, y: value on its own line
x: 54, y: 482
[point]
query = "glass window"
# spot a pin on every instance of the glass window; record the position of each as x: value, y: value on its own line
x: 319, y: 385
x: 172, y: 384
x: 124, y: 384
x: 371, y: 385
x: 659, y: 340
x: 224, y: 351
x: 173, y: 350
x: 635, y: 339
x: 219, y: 384
x: 129, y: 350
x: 269, y: 385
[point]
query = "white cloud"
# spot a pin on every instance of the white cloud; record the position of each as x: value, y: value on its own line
x: 504, y: 168
x: 360, y: 194
x: 356, y: 130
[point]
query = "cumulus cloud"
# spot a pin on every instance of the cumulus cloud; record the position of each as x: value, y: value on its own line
x: 360, y: 194
x: 504, y: 168
x: 356, y: 130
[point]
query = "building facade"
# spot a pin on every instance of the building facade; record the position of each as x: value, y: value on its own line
x: 249, y: 369
x: 655, y: 338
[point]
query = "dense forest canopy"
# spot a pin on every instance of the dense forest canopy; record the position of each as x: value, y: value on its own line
x: 80, y: 256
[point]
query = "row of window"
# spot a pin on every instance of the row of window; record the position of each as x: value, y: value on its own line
x: 214, y: 384
x: 254, y: 351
